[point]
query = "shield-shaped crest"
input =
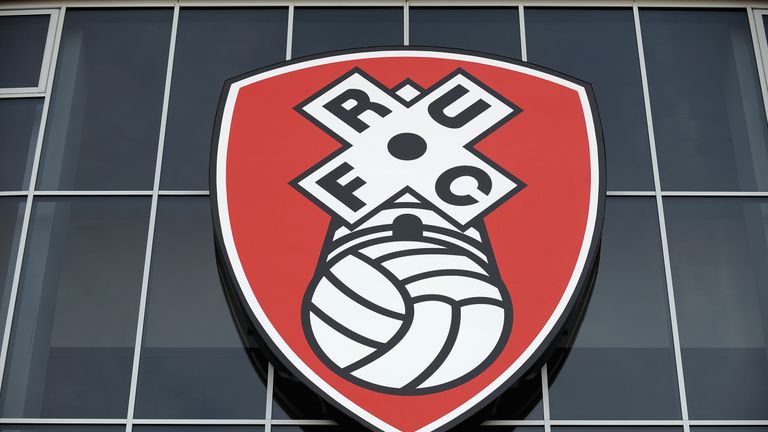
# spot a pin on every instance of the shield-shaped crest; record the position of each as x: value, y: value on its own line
x: 407, y: 228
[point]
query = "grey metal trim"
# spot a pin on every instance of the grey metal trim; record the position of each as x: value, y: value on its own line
x: 45, y: 67
x: 545, y: 398
x: 523, y: 40
x: 152, y: 222
x: 289, y: 37
x: 270, y: 396
x: 30, y: 197
x: 662, y: 224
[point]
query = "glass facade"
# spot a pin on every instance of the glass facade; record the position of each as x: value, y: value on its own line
x: 112, y: 314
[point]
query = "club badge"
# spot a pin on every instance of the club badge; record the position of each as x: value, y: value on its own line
x: 408, y: 229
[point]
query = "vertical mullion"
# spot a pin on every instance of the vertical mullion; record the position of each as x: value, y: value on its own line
x: 152, y: 220
x: 545, y: 398
x: 406, y: 23
x: 289, y: 37
x: 523, y: 43
x: 662, y: 224
x: 42, y: 82
x: 757, y: 29
x: 270, y: 398
x: 30, y: 196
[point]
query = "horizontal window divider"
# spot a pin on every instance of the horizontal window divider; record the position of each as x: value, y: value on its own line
x: 27, y: 93
x: 41, y: 6
x: 714, y: 194
x: 216, y: 422
x: 13, y: 193
x: 513, y: 423
x: 616, y: 422
x: 183, y: 192
x: 630, y: 193
x: 94, y: 193
x: 728, y: 422
x: 50, y: 421
x: 303, y: 422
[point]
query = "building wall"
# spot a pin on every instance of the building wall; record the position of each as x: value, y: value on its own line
x: 116, y: 319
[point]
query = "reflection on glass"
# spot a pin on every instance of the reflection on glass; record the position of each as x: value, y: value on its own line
x: 212, y: 45
x: 491, y: 30
x: 719, y: 256
x: 708, y: 115
x: 621, y: 364
x: 73, y: 334
x: 317, y: 30
x: 22, y: 44
x: 104, y: 119
x: 599, y: 46
x: 19, y: 123
x: 192, y: 367
x: 11, y: 214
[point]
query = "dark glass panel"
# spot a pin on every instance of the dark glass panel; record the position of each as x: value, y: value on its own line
x: 708, y: 114
x: 491, y: 30
x: 212, y: 46
x: 719, y: 254
x: 73, y: 335
x: 599, y: 46
x: 192, y: 367
x: 19, y: 123
x: 621, y: 364
x: 317, y: 30
x: 11, y: 217
x: 104, y: 119
x: 22, y: 45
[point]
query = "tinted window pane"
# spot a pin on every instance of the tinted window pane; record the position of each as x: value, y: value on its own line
x: 73, y: 335
x: 212, y: 45
x: 718, y: 251
x: 22, y: 44
x: 104, y: 118
x: 317, y: 30
x: 192, y: 367
x: 622, y: 365
x: 19, y: 122
x: 492, y: 30
x: 600, y: 47
x: 11, y: 215
x: 708, y: 113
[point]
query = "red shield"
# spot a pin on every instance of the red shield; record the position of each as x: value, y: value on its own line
x: 408, y: 229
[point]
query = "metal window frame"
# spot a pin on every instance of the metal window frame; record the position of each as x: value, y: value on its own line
x: 57, y: 9
x: 39, y: 90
